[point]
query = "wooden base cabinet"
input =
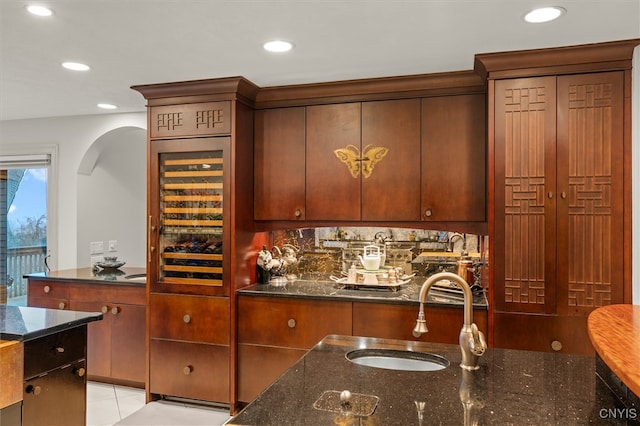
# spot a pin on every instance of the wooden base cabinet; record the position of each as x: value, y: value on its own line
x: 115, y: 345
x: 55, y: 380
x: 273, y: 333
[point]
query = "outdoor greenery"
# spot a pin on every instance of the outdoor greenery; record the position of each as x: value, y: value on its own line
x: 31, y: 231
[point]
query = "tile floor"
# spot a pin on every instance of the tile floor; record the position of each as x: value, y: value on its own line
x: 118, y: 405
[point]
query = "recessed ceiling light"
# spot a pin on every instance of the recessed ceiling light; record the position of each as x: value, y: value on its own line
x: 39, y: 10
x: 544, y: 14
x: 75, y: 66
x: 107, y: 106
x: 277, y: 46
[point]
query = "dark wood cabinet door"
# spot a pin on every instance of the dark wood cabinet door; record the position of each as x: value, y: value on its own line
x: 590, y: 192
x: 98, y: 338
x: 525, y: 198
x: 454, y: 158
x: 390, y: 184
x: 332, y: 192
x: 127, y: 342
x: 279, y: 164
x: 397, y: 322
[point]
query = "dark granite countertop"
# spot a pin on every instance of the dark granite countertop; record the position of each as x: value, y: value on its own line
x: 26, y: 323
x: 129, y: 275
x: 330, y: 290
x: 511, y: 387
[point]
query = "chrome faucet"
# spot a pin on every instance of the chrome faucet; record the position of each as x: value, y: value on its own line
x: 472, y: 341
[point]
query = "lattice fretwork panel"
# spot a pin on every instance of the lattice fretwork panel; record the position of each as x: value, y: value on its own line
x: 589, y: 195
x: 525, y: 111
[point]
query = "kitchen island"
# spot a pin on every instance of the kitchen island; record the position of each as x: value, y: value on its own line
x: 511, y: 387
x: 51, y: 373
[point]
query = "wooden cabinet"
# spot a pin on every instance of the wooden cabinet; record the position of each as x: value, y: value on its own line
x: 454, y: 155
x: 407, y: 160
x: 273, y: 333
x: 559, y: 207
x: 115, y: 345
x: 279, y: 169
x: 397, y: 321
x: 54, y: 379
x: 200, y: 232
x: 189, y: 346
x: 366, y: 153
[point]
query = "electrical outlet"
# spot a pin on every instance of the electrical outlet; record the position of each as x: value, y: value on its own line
x: 113, y: 245
x: 96, y: 247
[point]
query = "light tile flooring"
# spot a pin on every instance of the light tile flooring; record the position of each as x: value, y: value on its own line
x: 111, y: 404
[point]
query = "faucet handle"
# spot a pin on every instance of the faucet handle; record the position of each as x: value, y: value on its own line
x: 478, y: 343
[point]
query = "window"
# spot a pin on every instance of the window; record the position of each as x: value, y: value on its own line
x: 24, y: 214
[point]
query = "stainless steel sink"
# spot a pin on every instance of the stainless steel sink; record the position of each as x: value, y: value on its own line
x: 391, y: 359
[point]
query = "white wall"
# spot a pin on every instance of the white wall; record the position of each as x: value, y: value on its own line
x: 73, y: 136
x: 112, y: 197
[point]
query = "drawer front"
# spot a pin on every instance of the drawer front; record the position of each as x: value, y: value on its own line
x: 259, y: 366
x: 189, y: 370
x: 48, y: 289
x: 53, y: 351
x: 192, y: 318
x: 291, y: 323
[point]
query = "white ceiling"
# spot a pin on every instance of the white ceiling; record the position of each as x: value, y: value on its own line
x: 129, y: 42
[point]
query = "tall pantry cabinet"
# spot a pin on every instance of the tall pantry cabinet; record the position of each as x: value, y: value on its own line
x: 200, y: 223
x: 559, y: 144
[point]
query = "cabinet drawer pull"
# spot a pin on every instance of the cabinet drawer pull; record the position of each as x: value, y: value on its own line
x: 115, y: 310
x: 187, y: 370
x: 186, y: 318
x: 58, y: 349
x: 298, y: 213
x: 428, y: 213
x: 556, y: 345
x: 79, y: 371
x: 33, y: 389
x: 46, y: 289
x: 61, y: 305
x: 105, y: 309
x: 291, y: 323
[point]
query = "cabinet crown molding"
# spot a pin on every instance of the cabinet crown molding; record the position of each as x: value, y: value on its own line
x: 606, y: 56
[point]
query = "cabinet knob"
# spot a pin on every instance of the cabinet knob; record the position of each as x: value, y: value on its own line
x: 33, y: 389
x: 298, y: 213
x: 46, y: 289
x: 550, y: 195
x: 428, y: 213
x: 556, y: 345
x: 79, y: 371
x: 186, y: 318
x: 61, y: 305
x: 291, y: 323
x: 58, y: 349
x: 105, y: 309
x: 187, y: 370
x: 115, y: 310
x: 563, y: 195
